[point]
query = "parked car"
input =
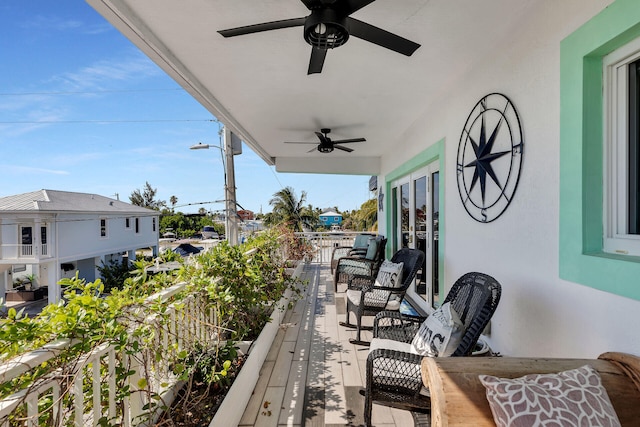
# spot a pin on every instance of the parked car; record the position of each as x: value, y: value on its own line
x: 208, y: 232
x: 187, y: 249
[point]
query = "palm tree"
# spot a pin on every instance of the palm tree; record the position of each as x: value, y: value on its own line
x: 288, y: 209
x: 368, y: 215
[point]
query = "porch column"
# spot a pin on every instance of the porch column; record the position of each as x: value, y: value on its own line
x: 131, y: 256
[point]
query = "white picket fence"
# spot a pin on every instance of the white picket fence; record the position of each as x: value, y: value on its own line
x: 86, y: 392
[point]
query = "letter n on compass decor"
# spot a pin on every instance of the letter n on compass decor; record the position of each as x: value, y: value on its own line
x: 489, y: 158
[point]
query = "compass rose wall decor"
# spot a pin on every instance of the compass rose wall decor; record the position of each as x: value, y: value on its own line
x: 489, y: 158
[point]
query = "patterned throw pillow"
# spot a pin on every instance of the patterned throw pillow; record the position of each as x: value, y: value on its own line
x: 389, y: 275
x: 570, y: 398
x: 440, y: 334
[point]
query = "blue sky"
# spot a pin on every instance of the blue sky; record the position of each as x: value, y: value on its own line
x: 81, y: 109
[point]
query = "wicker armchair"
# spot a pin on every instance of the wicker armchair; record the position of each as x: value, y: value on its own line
x: 365, y: 299
x: 359, y: 264
x: 393, y: 371
x: 359, y: 248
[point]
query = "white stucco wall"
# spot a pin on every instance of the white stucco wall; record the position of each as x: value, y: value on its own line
x: 79, y: 236
x: 539, y: 314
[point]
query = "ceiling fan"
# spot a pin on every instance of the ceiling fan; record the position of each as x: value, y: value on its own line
x: 328, y: 26
x: 327, y: 145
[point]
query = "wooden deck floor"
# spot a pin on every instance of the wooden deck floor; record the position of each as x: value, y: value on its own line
x: 313, y: 375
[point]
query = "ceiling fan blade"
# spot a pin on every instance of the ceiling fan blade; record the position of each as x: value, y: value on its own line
x: 351, y: 6
x: 265, y: 26
x: 381, y: 37
x: 317, y: 61
x: 346, y: 141
x: 323, y: 139
x: 340, y: 147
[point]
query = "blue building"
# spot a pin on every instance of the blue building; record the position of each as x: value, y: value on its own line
x: 330, y: 218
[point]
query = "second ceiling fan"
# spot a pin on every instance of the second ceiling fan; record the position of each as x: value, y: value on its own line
x: 328, y: 26
x: 327, y: 145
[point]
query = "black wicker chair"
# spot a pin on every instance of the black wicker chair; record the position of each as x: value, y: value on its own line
x: 365, y: 299
x: 359, y: 248
x: 393, y: 377
x: 358, y: 264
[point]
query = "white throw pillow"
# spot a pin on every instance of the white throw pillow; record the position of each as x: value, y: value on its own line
x: 440, y: 334
x: 389, y: 275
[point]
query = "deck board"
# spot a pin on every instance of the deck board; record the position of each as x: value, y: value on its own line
x: 312, y: 376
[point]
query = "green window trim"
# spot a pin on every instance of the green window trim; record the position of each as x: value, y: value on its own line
x: 434, y: 153
x: 581, y: 258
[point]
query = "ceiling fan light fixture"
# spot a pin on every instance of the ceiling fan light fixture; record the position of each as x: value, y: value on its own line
x: 325, y: 149
x: 324, y: 29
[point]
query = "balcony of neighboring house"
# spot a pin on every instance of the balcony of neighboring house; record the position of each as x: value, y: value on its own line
x: 23, y: 251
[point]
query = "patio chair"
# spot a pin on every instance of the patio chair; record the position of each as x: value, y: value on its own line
x: 366, y: 296
x: 359, y: 264
x: 393, y: 375
x: 359, y: 248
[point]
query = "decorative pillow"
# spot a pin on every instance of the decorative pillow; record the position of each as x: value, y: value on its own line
x: 372, y: 248
x: 570, y: 398
x: 361, y: 241
x: 440, y: 334
x: 389, y: 275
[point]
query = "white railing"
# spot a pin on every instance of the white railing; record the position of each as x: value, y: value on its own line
x: 84, y: 393
x: 19, y: 250
x: 26, y: 250
x: 324, y: 243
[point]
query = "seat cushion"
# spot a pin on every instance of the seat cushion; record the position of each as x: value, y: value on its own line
x: 388, y: 344
x: 375, y: 298
x: 575, y: 397
x: 389, y: 274
x: 440, y: 334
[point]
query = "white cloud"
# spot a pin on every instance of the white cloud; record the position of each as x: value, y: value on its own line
x: 103, y: 74
x: 44, y: 23
x: 33, y: 170
x: 41, y: 22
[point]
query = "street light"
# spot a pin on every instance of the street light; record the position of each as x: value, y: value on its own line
x: 227, y: 152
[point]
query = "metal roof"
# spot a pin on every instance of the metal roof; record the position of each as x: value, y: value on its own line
x: 52, y: 201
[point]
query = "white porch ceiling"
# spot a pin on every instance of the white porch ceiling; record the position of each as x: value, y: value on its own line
x: 257, y: 84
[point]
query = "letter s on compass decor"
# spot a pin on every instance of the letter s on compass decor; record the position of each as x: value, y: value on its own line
x: 489, y: 158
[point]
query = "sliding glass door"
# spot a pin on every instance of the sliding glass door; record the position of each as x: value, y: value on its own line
x: 416, y: 199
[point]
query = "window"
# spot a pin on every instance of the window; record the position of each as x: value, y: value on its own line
x: 103, y: 227
x: 153, y: 224
x: 43, y: 240
x: 127, y: 223
x: 584, y: 213
x: 621, y: 70
x: 137, y: 225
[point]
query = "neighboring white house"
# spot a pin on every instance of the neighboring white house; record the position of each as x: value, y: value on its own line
x: 54, y: 234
